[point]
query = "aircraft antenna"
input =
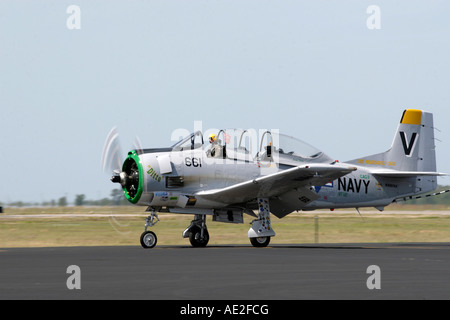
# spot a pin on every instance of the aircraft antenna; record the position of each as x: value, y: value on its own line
x: 357, y: 209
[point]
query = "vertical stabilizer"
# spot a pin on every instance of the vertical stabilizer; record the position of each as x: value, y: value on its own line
x: 413, y: 148
x: 412, y: 156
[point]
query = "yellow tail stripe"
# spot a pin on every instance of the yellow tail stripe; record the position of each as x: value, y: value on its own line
x: 412, y: 116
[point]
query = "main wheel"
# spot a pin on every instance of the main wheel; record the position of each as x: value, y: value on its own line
x: 148, y: 239
x: 260, y: 242
x: 195, y: 237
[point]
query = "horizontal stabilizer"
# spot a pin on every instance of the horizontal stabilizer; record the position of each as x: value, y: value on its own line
x: 405, y: 174
x: 419, y: 197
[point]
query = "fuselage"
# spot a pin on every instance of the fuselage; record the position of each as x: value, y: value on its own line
x: 191, y: 171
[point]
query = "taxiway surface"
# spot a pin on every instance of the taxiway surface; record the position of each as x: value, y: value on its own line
x: 314, y: 271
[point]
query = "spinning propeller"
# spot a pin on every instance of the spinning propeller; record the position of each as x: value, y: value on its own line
x: 124, y: 172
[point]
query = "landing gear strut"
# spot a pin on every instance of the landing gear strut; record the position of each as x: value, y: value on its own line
x: 261, y: 230
x: 197, y: 232
x: 148, y: 238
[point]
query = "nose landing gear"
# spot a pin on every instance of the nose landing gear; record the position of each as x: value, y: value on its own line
x: 148, y: 238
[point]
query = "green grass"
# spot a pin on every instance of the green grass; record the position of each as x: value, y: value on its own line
x: 341, y: 226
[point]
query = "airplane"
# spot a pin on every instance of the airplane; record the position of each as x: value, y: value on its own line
x: 226, y: 179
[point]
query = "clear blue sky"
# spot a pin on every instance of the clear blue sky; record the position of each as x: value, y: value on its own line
x: 312, y: 69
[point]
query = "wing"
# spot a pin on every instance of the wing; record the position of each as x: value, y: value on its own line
x: 277, y: 183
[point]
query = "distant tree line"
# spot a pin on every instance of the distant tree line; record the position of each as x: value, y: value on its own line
x: 116, y: 199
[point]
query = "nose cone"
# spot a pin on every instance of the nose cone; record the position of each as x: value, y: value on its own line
x: 120, y: 177
x: 131, y: 178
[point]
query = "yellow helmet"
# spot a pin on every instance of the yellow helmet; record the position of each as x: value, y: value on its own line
x: 212, y: 137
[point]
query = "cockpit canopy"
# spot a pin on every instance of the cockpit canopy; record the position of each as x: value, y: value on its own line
x: 192, y: 141
x: 251, y: 145
x: 287, y: 145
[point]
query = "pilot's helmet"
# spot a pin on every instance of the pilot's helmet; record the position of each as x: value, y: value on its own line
x: 212, y: 137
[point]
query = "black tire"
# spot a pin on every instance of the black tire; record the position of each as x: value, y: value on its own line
x: 194, y: 237
x: 148, y: 239
x: 260, y: 242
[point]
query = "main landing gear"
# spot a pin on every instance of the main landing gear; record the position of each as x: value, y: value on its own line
x: 197, y: 232
x: 261, y: 230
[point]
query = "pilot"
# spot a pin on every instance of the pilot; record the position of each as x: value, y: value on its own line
x: 215, y: 150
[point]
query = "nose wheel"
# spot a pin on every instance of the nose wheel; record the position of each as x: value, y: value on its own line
x: 148, y: 238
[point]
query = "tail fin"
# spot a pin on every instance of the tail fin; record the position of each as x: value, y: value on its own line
x: 411, y: 156
x: 413, y: 148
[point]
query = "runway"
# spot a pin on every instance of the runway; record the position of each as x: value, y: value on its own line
x: 281, y: 272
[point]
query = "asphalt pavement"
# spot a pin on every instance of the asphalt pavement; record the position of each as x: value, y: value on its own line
x: 229, y: 272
